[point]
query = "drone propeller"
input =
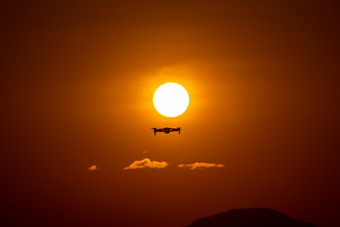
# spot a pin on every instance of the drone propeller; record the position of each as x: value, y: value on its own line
x: 154, y: 130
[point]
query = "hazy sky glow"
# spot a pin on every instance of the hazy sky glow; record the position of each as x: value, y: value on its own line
x: 77, y: 85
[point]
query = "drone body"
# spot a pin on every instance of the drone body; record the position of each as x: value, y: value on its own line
x: 167, y: 130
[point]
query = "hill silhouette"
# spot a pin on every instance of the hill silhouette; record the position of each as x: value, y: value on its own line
x: 250, y: 217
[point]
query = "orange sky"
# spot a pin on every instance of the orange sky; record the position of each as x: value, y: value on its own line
x: 76, y: 92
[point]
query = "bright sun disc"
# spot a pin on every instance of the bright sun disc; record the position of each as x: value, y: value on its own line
x: 171, y: 99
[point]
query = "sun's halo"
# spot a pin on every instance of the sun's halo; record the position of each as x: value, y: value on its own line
x: 171, y: 99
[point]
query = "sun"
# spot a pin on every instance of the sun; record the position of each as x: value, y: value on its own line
x: 171, y: 99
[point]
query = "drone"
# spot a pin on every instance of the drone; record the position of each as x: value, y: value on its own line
x: 166, y: 130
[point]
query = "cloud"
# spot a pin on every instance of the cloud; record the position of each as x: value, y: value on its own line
x: 92, y: 168
x: 200, y: 165
x: 146, y: 163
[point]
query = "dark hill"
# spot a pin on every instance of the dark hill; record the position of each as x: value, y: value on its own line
x: 251, y: 217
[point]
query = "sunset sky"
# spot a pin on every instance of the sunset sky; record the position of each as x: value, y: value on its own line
x: 262, y: 126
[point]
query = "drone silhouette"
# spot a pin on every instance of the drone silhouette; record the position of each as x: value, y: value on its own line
x: 166, y: 130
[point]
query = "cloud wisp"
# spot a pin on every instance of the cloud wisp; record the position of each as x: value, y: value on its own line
x: 200, y: 165
x: 92, y: 168
x: 146, y: 163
